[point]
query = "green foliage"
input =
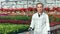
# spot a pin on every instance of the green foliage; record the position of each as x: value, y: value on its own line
x: 57, y: 19
x: 54, y: 19
x: 7, y: 28
x: 51, y: 18
x: 15, y: 17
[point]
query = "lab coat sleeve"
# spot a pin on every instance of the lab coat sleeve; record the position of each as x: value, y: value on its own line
x: 47, y: 23
x: 32, y: 22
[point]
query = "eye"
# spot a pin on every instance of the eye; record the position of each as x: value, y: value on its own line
x: 38, y: 7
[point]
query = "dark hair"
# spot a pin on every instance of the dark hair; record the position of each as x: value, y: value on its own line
x: 40, y: 3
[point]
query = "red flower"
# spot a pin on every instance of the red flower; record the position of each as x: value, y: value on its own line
x: 35, y: 9
x: 47, y: 8
x: 55, y: 8
x: 52, y: 10
x: 5, y: 9
x: 0, y: 8
x: 23, y: 9
x: 54, y: 23
x: 30, y: 9
x: 58, y: 9
x: 10, y: 9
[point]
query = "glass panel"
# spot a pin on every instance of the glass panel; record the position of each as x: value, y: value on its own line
x: 30, y: 5
x: 19, y: 2
x: 19, y: 6
x: 30, y: 2
x: 50, y: 1
x: 8, y: 4
x: 24, y: 2
x: 58, y: 1
x: 25, y: 6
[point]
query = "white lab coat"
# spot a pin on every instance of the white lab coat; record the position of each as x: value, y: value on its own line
x: 40, y: 24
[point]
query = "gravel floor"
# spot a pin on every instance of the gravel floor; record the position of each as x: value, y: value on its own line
x: 31, y: 32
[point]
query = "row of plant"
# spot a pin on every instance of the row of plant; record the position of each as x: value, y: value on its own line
x: 30, y: 9
x: 8, y: 28
x: 52, y: 9
x: 25, y: 18
x: 15, y: 21
x: 14, y: 17
x: 54, y: 19
x: 18, y: 9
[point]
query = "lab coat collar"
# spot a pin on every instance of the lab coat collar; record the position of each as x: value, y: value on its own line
x: 42, y: 13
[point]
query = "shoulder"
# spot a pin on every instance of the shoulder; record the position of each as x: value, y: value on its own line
x: 34, y: 15
x: 46, y: 15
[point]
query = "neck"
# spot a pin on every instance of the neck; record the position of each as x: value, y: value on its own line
x: 40, y: 12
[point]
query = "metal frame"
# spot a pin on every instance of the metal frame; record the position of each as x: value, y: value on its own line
x: 52, y: 3
x: 20, y: 4
x: 7, y: 2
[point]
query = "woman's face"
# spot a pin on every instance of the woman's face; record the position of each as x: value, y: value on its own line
x: 39, y: 8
